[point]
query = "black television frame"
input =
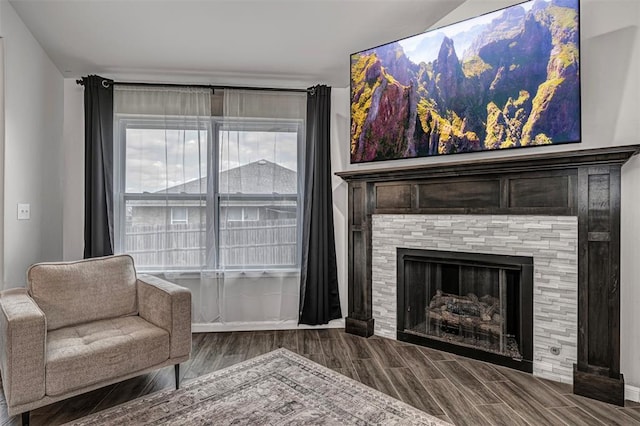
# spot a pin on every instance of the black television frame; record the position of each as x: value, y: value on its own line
x: 579, y: 44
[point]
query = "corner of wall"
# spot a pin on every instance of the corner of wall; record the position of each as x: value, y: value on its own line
x: 629, y: 273
x: 1, y: 159
x: 339, y: 157
x: 73, y: 171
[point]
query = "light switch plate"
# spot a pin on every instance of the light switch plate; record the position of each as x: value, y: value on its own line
x: 24, y: 211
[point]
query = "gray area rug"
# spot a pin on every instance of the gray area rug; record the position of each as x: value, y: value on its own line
x: 278, y: 388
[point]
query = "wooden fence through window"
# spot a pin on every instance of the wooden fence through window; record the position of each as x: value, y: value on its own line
x: 184, y: 246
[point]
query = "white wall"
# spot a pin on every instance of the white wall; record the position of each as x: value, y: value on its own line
x: 339, y: 157
x: 32, y: 150
x: 73, y: 171
x: 630, y: 274
x: 1, y: 159
x: 610, y: 52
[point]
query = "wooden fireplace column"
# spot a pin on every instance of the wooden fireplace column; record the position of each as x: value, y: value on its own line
x: 582, y: 183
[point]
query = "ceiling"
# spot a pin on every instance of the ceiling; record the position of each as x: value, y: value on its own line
x: 285, y: 42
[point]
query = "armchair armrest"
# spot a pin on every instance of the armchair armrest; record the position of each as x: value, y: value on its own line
x: 168, y: 306
x: 23, y: 333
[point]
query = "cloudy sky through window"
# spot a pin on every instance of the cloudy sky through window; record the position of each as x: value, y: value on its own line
x: 157, y: 159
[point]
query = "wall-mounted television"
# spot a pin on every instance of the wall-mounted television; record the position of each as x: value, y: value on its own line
x: 506, y: 79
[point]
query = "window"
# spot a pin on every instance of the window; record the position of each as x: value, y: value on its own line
x: 240, y: 214
x: 160, y: 176
x: 258, y: 192
x: 179, y: 215
x: 223, y: 194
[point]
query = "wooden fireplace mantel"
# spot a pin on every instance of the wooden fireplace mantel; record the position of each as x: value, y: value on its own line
x: 582, y: 183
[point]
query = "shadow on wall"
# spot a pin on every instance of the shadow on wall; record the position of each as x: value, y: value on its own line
x: 606, y: 60
x: 629, y: 273
x: 340, y: 156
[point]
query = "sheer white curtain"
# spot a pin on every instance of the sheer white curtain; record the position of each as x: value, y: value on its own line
x: 162, y: 186
x: 208, y: 194
x: 259, y: 154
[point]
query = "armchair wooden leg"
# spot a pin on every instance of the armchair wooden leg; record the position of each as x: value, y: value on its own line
x: 25, y: 418
x: 177, y: 367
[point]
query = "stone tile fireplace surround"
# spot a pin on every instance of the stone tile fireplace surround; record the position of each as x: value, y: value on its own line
x: 577, y: 191
x: 552, y: 241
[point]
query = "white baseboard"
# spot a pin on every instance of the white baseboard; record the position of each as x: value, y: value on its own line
x: 258, y: 326
x: 632, y: 393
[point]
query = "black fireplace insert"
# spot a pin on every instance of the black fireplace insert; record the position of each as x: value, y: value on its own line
x: 471, y: 304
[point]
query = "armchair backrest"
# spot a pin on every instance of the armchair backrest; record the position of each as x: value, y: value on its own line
x: 87, y: 290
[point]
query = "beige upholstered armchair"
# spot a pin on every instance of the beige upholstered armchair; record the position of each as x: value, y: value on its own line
x: 82, y: 325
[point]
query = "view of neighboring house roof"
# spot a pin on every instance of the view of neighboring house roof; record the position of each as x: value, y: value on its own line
x: 259, y: 177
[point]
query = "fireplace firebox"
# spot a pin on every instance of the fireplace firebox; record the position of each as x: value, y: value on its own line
x: 472, y: 304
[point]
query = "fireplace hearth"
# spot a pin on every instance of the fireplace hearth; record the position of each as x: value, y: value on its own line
x: 473, y: 304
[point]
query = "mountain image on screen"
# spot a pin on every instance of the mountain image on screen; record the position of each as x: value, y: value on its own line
x: 503, y: 80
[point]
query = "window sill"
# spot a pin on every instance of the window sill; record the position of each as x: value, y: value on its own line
x: 214, y: 273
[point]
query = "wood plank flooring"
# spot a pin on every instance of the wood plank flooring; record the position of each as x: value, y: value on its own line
x: 455, y: 389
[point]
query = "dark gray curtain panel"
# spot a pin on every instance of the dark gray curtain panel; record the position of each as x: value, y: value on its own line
x: 319, y: 299
x: 98, y: 156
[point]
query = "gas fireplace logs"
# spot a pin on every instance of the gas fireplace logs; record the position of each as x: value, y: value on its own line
x: 468, y: 315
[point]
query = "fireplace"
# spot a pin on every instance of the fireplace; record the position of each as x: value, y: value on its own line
x: 473, y: 304
x: 584, y: 184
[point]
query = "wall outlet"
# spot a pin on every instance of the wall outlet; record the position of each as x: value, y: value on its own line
x: 554, y: 350
x: 24, y: 211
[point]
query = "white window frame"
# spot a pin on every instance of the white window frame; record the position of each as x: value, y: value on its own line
x: 122, y: 122
x: 184, y: 221
x: 262, y: 125
x: 242, y: 214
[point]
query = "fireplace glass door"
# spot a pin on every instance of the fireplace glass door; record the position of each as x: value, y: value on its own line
x: 468, y: 300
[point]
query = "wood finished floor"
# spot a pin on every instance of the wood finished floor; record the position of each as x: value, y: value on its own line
x: 456, y: 389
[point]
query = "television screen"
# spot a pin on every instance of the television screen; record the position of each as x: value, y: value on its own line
x: 507, y: 79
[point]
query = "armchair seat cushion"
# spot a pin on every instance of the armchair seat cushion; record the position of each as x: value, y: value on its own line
x: 85, y: 354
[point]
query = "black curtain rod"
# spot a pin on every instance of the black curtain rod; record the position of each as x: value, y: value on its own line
x: 203, y: 86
